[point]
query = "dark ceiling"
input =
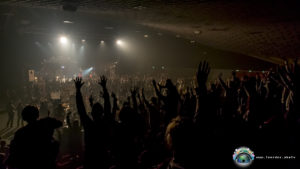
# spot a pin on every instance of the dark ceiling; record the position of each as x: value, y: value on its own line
x: 264, y: 29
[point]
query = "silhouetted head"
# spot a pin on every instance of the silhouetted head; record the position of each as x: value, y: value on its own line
x: 127, y: 115
x: 30, y: 114
x: 169, y: 83
x: 213, y: 87
x: 154, y: 100
x: 97, y: 111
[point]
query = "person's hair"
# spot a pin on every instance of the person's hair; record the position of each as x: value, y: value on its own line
x: 126, y: 114
x: 30, y: 113
x: 179, y: 133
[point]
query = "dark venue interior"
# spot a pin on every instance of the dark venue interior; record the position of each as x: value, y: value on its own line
x: 149, y: 84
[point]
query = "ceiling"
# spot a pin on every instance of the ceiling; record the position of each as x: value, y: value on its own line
x: 264, y: 29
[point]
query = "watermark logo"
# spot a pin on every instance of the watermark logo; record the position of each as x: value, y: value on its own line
x: 243, y: 157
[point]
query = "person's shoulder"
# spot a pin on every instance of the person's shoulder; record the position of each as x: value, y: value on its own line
x: 49, y: 121
x: 22, y: 131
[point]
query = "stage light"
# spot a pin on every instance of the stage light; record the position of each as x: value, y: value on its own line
x: 119, y: 42
x: 63, y: 40
x: 87, y: 71
x: 102, y: 42
x: 83, y: 40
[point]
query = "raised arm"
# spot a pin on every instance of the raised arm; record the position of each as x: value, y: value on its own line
x: 201, y: 90
x: 223, y: 84
x: 115, y: 104
x: 202, y: 75
x: 133, y: 97
x: 91, y: 101
x: 159, y: 95
x: 107, y: 105
x: 68, y: 119
x: 144, y: 98
x: 79, y: 102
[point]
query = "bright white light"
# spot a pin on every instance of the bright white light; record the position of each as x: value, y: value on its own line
x: 119, y: 42
x: 83, y: 40
x: 63, y: 40
x: 102, y: 42
x: 68, y: 22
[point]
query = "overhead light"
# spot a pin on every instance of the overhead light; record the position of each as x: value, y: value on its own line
x: 63, y: 40
x: 102, y: 42
x: 119, y: 42
x: 146, y: 36
x: 68, y: 22
x: 83, y: 40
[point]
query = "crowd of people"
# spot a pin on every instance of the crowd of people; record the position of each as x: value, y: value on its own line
x: 171, y: 128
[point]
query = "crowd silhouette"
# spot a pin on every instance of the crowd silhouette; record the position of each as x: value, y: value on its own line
x: 197, y: 127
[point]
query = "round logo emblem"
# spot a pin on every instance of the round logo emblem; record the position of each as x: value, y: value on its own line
x: 243, y: 157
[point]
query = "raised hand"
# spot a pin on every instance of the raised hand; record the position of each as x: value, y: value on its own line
x: 134, y: 91
x: 78, y: 83
x: 202, y: 73
x: 103, y: 81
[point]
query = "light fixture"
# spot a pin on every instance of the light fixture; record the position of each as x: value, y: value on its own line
x: 119, y: 42
x: 63, y: 40
x: 68, y: 22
